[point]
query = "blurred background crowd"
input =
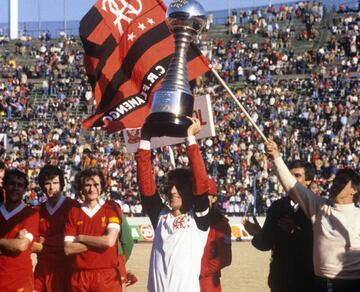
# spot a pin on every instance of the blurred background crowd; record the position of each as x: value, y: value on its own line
x: 294, y: 67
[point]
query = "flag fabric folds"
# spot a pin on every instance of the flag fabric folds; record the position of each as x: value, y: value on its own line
x: 128, y: 48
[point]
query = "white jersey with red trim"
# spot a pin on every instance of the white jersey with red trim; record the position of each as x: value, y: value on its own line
x: 175, y: 261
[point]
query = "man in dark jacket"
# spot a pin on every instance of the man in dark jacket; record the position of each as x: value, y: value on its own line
x: 288, y: 234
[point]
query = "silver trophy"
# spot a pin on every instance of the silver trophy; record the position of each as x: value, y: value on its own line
x: 173, y: 101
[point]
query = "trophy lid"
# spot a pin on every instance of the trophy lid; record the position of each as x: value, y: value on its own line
x: 186, y: 13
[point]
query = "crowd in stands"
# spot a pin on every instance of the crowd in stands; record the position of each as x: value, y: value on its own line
x: 266, y: 20
x: 307, y: 101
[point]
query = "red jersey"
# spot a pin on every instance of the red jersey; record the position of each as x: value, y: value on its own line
x: 51, y: 227
x: 16, y: 268
x: 94, y: 222
x: 217, y: 253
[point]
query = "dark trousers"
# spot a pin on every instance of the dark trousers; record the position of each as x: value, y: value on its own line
x: 337, y: 285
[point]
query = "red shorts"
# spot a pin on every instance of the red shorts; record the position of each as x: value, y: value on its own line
x: 105, y: 280
x: 52, y: 280
x: 210, y: 284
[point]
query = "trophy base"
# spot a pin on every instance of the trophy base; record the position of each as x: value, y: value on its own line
x: 166, y: 124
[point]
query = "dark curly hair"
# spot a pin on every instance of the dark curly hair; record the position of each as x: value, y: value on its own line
x: 17, y: 173
x: 342, y: 178
x: 182, y: 179
x: 309, y: 169
x: 86, y: 173
x: 49, y: 172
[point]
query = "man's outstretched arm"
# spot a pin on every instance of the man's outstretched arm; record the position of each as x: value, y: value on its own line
x: 297, y: 192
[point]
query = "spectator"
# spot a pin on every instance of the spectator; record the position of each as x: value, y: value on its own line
x: 336, y: 261
x: 288, y: 234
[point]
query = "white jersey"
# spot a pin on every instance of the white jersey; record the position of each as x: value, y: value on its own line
x: 176, y: 254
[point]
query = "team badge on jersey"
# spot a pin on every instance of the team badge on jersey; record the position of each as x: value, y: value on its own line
x: 103, y: 221
x: 181, y: 222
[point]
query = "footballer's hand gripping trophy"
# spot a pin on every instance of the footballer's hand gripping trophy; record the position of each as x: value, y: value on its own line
x: 173, y: 101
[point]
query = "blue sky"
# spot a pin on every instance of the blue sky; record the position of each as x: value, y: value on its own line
x: 75, y: 9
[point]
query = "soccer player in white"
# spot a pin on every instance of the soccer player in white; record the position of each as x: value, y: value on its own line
x: 181, y: 228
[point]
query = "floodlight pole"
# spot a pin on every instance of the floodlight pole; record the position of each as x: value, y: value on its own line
x: 13, y: 19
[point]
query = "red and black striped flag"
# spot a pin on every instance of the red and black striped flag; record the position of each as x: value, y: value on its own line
x: 128, y: 48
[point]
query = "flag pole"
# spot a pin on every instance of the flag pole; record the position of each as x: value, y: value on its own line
x: 238, y: 103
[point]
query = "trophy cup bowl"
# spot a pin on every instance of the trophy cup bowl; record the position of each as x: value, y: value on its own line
x: 173, y: 101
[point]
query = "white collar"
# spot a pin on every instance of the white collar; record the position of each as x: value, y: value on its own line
x: 51, y: 210
x: 7, y: 215
x: 344, y: 207
x: 91, y: 212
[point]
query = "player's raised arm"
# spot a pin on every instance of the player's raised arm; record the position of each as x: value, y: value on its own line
x: 201, y: 185
x: 201, y: 180
x: 150, y: 199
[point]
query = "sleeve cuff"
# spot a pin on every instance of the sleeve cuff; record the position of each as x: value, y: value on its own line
x: 145, y: 145
x: 190, y: 140
x: 29, y: 236
x: 113, y: 226
x: 203, y: 213
x: 69, y: 238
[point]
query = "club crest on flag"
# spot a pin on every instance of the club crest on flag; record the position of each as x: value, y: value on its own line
x: 121, y: 9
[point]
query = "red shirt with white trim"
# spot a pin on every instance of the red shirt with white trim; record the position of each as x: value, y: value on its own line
x: 51, y: 227
x: 16, y: 268
x: 94, y: 222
